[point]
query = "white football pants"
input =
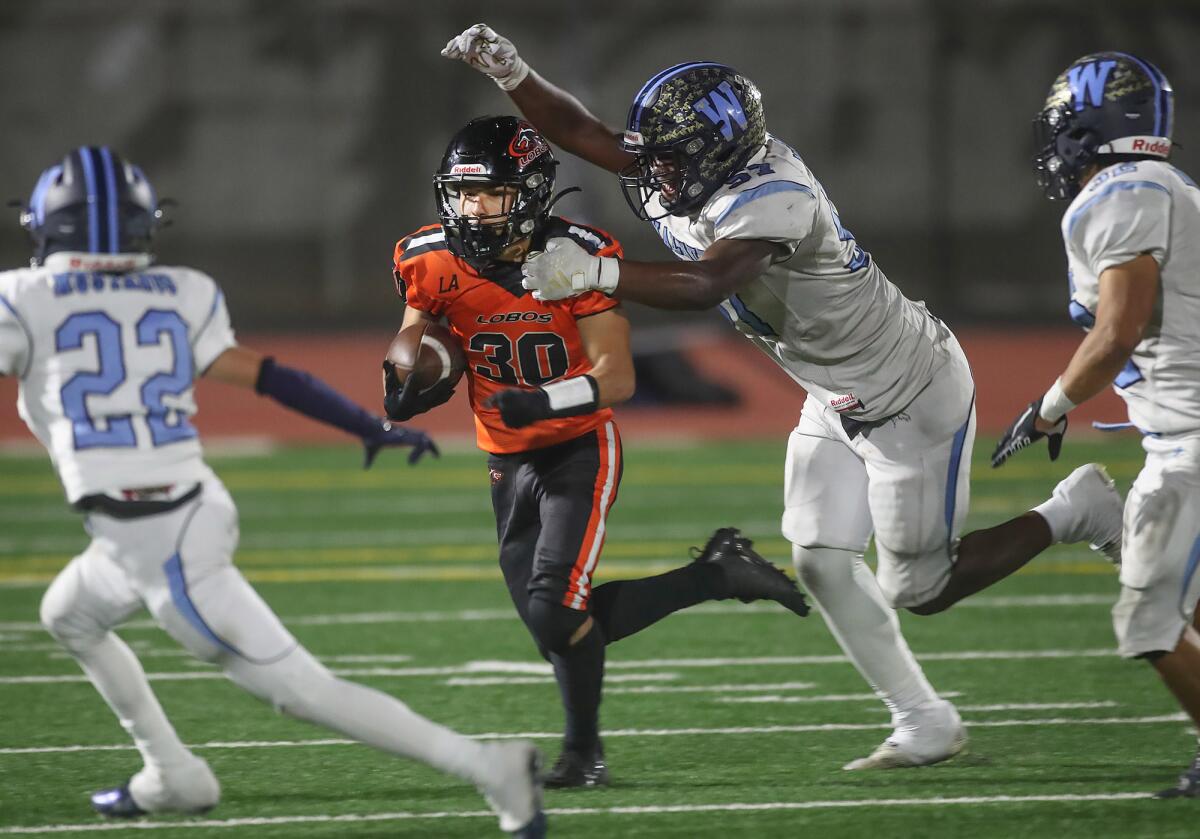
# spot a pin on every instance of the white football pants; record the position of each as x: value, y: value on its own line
x: 179, y: 566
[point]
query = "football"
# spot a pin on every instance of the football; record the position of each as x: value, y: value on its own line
x: 428, y: 351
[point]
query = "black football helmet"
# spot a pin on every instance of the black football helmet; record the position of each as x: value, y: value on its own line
x: 91, y: 202
x: 691, y: 127
x: 495, y: 152
x: 1105, y: 104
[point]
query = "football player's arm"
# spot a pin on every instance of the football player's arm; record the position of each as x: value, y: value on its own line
x: 402, y: 401
x: 558, y: 115
x: 605, y: 338
x: 308, y: 395
x: 1128, y: 293
x: 564, y: 269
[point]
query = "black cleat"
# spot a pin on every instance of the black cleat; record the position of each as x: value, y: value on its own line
x: 116, y: 803
x: 748, y: 576
x: 574, y: 770
x: 1188, y: 785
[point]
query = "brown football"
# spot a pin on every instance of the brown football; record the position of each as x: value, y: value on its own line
x: 428, y: 351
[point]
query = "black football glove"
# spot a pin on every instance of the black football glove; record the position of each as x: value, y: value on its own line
x: 402, y: 402
x: 1022, y: 433
x: 519, y: 408
x: 395, y: 435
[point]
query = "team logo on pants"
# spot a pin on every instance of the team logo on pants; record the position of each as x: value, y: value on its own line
x: 496, y: 475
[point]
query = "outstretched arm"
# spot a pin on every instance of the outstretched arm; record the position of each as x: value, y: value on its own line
x: 308, y: 395
x: 564, y: 269
x: 558, y: 115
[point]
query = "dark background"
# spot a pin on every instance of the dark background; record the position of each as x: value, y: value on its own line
x: 299, y: 136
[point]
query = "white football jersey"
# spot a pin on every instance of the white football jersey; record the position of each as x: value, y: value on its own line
x: 1147, y: 207
x: 107, y: 364
x: 824, y: 312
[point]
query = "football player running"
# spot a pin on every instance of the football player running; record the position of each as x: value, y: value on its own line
x: 542, y: 378
x: 1132, y: 236
x: 883, y: 444
x: 107, y: 346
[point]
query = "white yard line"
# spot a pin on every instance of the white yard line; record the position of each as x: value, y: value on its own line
x: 610, y: 678
x: 533, y: 668
x: 473, y: 615
x: 634, y: 732
x: 772, y: 699
x: 566, y: 812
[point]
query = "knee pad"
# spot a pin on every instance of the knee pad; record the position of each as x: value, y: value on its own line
x: 553, y: 624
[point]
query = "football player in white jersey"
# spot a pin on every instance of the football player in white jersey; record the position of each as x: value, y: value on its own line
x: 1132, y: 236
x: 883, y: 445
x: 107, y: 346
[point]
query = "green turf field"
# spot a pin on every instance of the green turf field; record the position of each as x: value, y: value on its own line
x: 728, y: 720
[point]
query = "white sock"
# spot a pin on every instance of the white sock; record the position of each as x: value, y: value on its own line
x: 865, y: 627
x: 118, y: 676
x: 301, y: 686
x: 1058, y: 514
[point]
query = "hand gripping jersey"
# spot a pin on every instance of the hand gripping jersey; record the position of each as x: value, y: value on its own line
x: 824, y: 311
x: 511, y: 340
x: 1128, y: 209
x: 107, y: 363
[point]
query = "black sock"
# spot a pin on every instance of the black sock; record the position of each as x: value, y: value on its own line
x: 580, y: 675
x: 624, y: 607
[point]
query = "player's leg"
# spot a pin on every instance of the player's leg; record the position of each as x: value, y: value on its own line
x: 1155, y: 616
x: 576, y: 486
x: 205, y: 604
x: 79, y: 609
x: 828, y: 521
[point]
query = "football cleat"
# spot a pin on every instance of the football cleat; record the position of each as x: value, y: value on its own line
x: 1092, y: 496
x: 574, y: 770
x: 1188, y: 785
x: 746, y: 575
x: 917, y: 744
x: 516, y: 794
x: 116, y: 803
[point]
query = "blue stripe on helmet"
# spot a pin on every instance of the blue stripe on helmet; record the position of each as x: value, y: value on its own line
x: 651, y: 87
x: 89, y: 177
x: 110, y: 181
x: 1156, y: 77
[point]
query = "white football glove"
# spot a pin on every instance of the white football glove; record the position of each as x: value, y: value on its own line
x: 564, y: 269
x: 489, y: 53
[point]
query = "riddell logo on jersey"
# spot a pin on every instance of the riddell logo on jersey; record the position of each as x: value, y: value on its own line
x: 844, y: 403
x: 515, y: 317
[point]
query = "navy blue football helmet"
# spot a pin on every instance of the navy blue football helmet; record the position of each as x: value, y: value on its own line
x: 691, y: 127
x: 495, y: 152
x: 91, y: 202
x: 1105, y: 104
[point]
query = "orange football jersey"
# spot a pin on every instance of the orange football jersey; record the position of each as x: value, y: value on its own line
x: 511, y: 340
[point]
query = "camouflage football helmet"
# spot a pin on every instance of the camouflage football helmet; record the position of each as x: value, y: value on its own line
x: 1105, y: 105
x: 691, y: 127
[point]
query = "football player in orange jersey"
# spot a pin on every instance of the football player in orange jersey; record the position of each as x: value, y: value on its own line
x: 542, y: 378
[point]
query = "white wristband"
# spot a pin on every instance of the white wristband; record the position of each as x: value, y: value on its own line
x: 1055, y: 403
x: 610, y: 274
x: 519, y: 71
x: 575, y: 394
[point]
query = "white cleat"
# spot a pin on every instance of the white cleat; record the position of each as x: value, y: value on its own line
x: 1098, y: 507
x: 190, y: 787
x: 917, y: 743
x: 516, y: 792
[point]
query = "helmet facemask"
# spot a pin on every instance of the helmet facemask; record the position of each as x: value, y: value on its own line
x: 494, y: 153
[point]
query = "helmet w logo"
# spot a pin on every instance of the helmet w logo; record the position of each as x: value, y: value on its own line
x: 1087, y: 82
x: 722, y: 108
